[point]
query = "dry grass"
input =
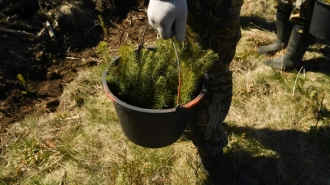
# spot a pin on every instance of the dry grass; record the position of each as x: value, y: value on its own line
x: 278, y: 128
x: 278, y: 124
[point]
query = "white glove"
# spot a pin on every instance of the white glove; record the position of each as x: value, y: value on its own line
x: 168, y: 17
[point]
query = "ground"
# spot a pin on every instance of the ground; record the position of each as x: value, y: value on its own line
x: 278, y: 125
x: 34, y: 66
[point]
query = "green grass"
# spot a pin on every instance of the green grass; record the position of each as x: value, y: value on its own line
x: 278, y: 129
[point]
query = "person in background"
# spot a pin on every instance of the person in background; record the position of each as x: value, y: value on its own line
x: 292, y: 21
x: 215, y: 25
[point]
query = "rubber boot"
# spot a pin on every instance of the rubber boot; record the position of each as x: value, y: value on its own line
x: 284, y: 28
x: 299, y: 42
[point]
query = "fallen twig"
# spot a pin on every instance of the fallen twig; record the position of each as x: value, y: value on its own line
x: 16, y: 32
x: 17, y: 24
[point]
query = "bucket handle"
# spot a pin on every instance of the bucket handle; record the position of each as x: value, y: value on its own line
x: 141, y: 45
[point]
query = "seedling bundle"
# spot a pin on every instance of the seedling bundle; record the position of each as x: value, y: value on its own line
x: 151, y: 78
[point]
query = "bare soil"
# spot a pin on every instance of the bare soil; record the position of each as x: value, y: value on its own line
x: 33, y: 68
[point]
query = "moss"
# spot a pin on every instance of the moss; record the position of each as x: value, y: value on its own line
x: 149, y: 78
x: 23, y: 84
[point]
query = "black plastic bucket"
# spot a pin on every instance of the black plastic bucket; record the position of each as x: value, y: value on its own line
x: 153, y: 128
x: 320, y: 23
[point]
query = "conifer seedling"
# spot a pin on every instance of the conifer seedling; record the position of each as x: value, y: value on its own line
x: 148, y: 78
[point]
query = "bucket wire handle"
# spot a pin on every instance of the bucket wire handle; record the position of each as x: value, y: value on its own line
x: 179, y: 72
x: 177, y: 58
x: 142, y: 38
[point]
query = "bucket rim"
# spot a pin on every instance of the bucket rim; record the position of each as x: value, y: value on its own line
x: 324, y: 3
x: 188, y: 105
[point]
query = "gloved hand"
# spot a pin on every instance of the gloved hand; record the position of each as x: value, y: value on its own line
x: 168, y: 17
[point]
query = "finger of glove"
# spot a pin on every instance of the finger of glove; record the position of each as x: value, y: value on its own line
x: 162, y: 18
x: 180, y: 28
x: 180, y: 22
x: 165, y: 32
x: 164, y: 27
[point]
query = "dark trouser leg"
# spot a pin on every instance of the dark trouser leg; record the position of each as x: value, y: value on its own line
x: 214, y: 27
x: 207, y: 132
x: 221, y: 34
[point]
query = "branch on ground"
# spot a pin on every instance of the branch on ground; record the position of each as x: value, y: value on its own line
x: 17, y: 32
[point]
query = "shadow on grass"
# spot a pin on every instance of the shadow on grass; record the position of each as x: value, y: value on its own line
x: 319, y: 64
x: 287, y: 156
